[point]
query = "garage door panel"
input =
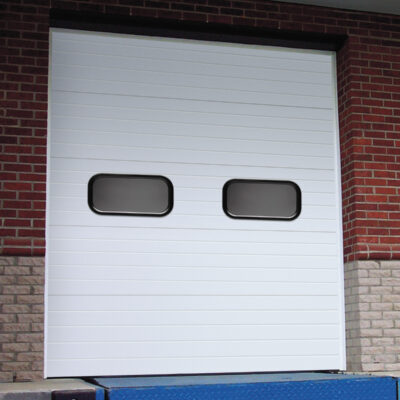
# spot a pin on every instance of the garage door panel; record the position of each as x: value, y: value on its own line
x: 193, y: 247
x: 188, y: 93
x: 201, y: 68
x: 194, y: 291
x: 189, y: 55
x: 193, y: 303
x: 196, y: 273
x: 207, y: 190
x: 206, y: 208
x: 68, y: 195
x: 123, y: 287
x: 194, y: 349
x: 271, y: 120
x: 72, y: 102
x: 217, y: 333
x: 209, y: 208
x: 257, y: 236
x: 201, y: 46
x: 196, y: 222
x: 190, y: 365
x: 284, y: 261
x: 63, y: 125
x: 187, y: 156
x: 203, y: 144
x: 87, y: 168
x: 200, y: 318
x: 245, y: 84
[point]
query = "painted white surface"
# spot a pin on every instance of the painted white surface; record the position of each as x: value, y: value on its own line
x: 195, y: 291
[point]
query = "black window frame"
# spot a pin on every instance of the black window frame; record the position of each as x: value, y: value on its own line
x: 133, y: 214
x: 225, y: 200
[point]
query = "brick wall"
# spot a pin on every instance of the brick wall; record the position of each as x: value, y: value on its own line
x: 23, y: 121
x: 370, y: 144
x: 369, y: 114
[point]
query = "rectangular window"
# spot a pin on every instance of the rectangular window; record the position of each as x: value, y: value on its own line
x: 145, y: 195
x: 261, y: 199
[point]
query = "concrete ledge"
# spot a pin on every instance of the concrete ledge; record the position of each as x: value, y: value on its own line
x: 43, y: 390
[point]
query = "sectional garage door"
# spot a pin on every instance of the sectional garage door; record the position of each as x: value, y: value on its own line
x: 238, y: 267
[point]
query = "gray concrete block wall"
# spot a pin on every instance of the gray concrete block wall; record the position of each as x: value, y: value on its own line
x: 372, y: 298
x: 21, y: 318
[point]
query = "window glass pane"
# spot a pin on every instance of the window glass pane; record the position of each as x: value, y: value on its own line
x: 130, y: 194
x: 260, y: 199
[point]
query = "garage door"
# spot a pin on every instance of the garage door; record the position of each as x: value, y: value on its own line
x: 194, y: 214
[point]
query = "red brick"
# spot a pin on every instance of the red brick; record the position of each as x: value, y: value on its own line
x: 16, y: 204
x: 17, y: 242
x: 385, y: 190
x: 31, y: 196
x: 31, y: 214
x: 19, y: 113
x: 32, y: 159
x: 17, y: 222
x: 33, y: 177
x: 17, y: 167
x: 8, y: 213
x: 17, y: 186
x: 30, y: 232
x: 33, y: 141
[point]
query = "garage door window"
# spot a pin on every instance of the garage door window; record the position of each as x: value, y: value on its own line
x: 261, y: 199
x: 137, y: 195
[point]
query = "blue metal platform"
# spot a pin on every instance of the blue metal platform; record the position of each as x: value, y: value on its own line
x: 292, y: 386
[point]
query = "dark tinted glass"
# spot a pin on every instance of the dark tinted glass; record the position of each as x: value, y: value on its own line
x: 261, y: 199
x: 130, y: 194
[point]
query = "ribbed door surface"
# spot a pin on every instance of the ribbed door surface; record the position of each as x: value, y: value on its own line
x: 194, y: 291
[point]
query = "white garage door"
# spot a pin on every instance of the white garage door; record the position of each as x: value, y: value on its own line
x: 237, y: 266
